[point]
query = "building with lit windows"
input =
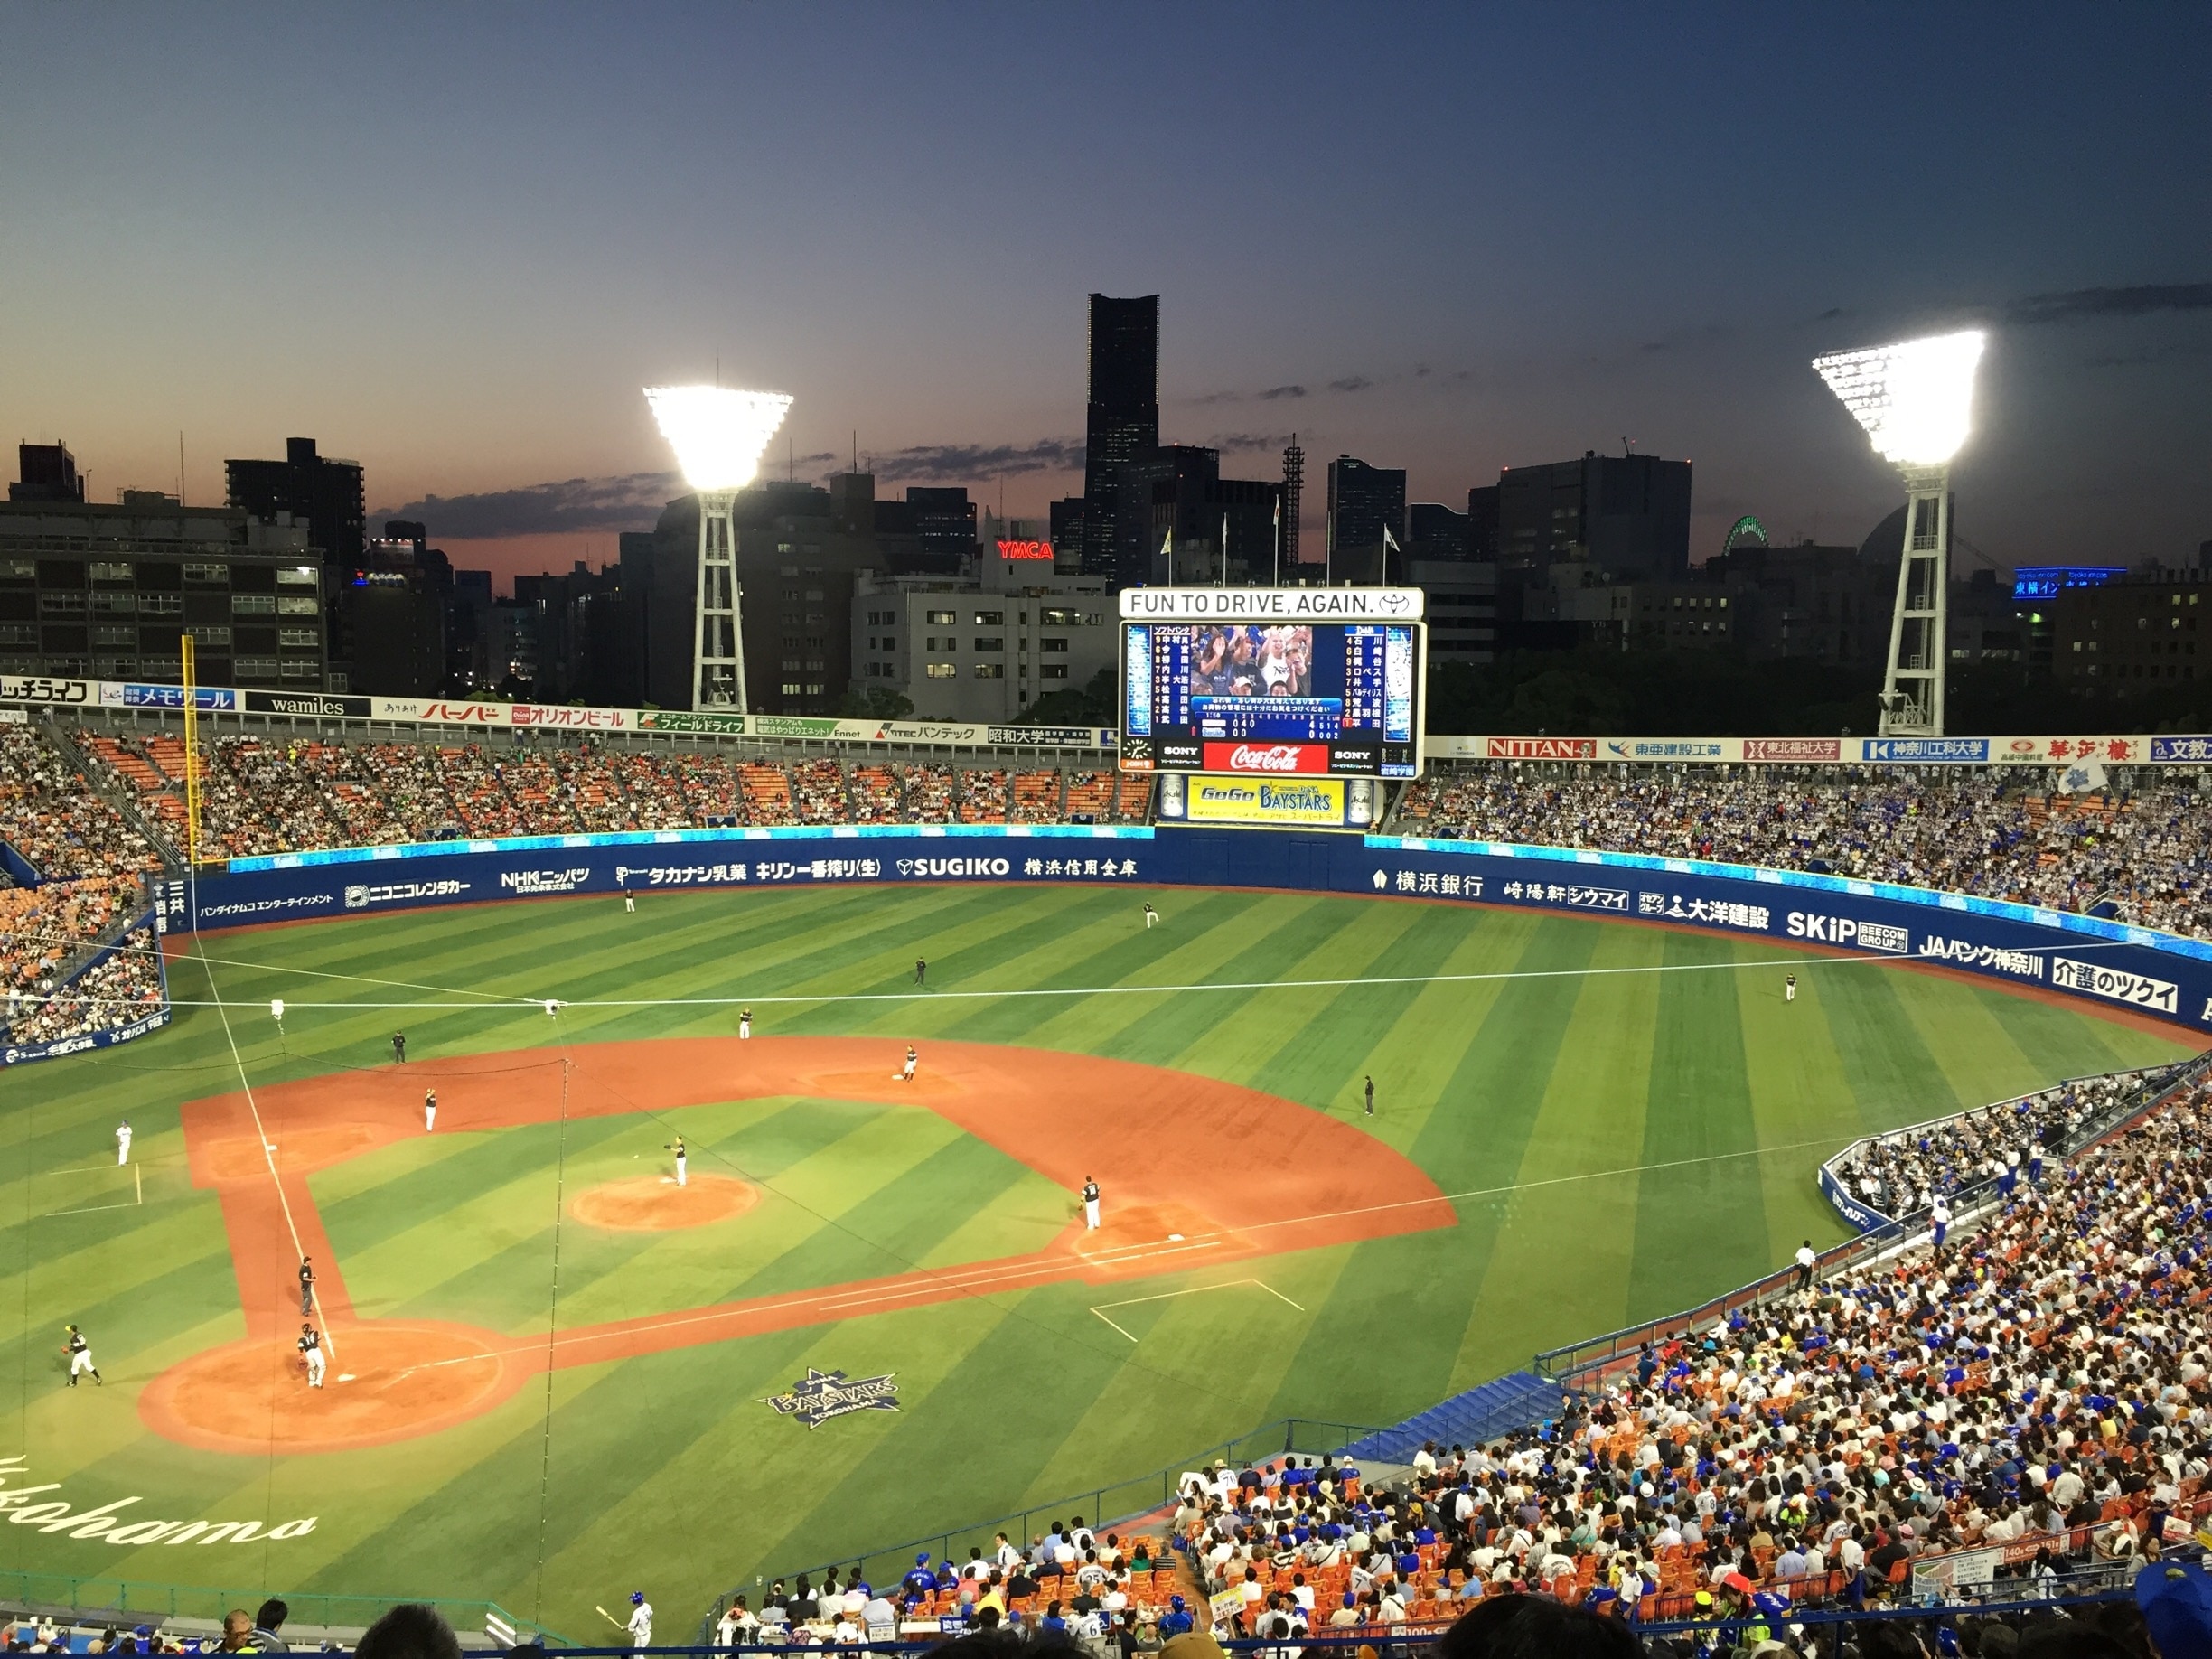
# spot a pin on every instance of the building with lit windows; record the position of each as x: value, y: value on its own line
x: 2124, y: 638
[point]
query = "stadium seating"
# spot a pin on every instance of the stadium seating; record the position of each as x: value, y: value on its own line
x: 1995, y: 833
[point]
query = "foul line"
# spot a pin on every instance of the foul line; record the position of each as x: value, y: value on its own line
x: 1227, y: 1284
x: 269, y: 1151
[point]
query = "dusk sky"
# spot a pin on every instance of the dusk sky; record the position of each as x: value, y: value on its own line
x: 453, y: 243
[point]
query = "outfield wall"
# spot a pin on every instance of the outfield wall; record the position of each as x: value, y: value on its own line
x: 2103, y: 964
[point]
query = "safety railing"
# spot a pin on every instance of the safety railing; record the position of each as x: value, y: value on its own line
x: 125, y: 1602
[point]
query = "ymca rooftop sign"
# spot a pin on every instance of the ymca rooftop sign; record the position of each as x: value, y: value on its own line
x: 1272, y: 604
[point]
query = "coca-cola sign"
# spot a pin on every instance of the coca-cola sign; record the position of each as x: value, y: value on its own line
x: 1272, y: 757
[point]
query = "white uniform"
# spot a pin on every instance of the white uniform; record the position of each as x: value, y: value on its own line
x: 1151, y: 915
x: 430, y: 1111
x: 1090, y: 1206
x: 744, y: 1024
x: 1789, y: 988
x: 640, y: 1624
x: 912, y: 1060
x: 629, y: 901
x: 679, y: 1165
x: 311, y: 1346
x: 123, y: 1140
x: 81, y: 1360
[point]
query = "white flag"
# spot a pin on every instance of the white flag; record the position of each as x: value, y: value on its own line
x: 2080, y: 776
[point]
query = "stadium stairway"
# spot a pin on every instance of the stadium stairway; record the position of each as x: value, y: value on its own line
x: 1520, y: 1399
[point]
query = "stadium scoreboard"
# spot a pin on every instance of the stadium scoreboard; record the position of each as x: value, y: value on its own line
x: 1273, y: 680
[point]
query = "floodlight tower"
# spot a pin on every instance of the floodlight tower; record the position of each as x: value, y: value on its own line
x: 1915, y: 400
x: 718, y: 434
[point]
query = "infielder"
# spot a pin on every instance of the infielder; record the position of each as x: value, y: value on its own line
x: 912, y: 1060
x: 306, y: 1278
x: 429, y: 1111
x: 677, y: 1147
x: 744, y: 1024
x: 123, y: 1140
x: 311, y: 1350
x: 79, y: 1354
x: 1091, y: 1204
x: 641, y: 1620
x: 1151, y: 915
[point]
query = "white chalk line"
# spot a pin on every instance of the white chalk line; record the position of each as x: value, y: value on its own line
x: 1786, y: 963
x: 138, y: 1181
x: 1164, y: 1296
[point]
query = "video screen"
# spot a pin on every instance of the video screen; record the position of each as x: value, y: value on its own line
x: 1272, y: 698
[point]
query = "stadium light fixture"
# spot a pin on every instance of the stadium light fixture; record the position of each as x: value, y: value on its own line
x: 718, y: 434
x: 1915, y: 400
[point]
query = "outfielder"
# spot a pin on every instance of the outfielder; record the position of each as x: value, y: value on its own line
x: 677, y: 1147
x: 1091, y: 1204
x: 429, y: 1111
x: 629, y: 901
x: 311, y: 1350
x: 79, y: 1354
x: 912, y: 1060
x: 123, y: 1140
x: 641, y: 1620
x: 1151, y: 915
x: 1789, y: 988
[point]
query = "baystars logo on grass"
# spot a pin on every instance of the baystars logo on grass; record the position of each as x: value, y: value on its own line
x: 820, y: 1395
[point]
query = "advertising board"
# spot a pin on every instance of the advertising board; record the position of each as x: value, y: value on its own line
x: 1315, y: 803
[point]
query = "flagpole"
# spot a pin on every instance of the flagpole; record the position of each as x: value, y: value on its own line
x: 1224, y: 568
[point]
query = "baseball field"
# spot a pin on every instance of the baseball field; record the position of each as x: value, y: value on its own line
x: 556, y: 1376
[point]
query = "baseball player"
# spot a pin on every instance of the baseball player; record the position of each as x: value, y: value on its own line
x: 677, y: 1147
x: 1370, y: 1090
x: 921, y: 971
x: 744, y: 1024
x: 398, y: 1048
x: 1151, y: 915
x: 311, y: 1350
x: 641, y: 1620
x: 123, y: 1140
x: 912, y: 1060
x: 1091, y: 1204
x: 79, y: 1354
x: 429, y: 1111
x: 306, y: 1278
x: 629, y: 901
x: 1789, y: 988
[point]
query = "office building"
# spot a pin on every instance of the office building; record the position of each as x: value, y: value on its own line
x: 1364, y: 503
x: 1436, y: 533
x: 2130, y: 637
x: 1627, y: 516
x: 89, y: 591
x: 985, y: 648
x: 46, y: 472
x: 796, y: 566
x: 1461, y: 603
x: 324, y: 494
x: 394, y: 608
x: 1120, y: 423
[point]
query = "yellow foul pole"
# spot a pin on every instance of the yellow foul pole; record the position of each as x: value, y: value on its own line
x: 191, y: 761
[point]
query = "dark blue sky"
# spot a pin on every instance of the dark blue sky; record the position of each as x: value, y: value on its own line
x: 453, y: 243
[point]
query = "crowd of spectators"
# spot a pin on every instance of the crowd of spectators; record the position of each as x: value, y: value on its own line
x: 2042, y: 1386
x: 269, y: 795
x: 124, y: 986
x: 1998, y: 833
x: 1901, y: 1173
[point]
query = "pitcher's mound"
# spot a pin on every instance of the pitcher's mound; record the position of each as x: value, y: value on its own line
x: 655, y: 1203
x: 401, y: 1381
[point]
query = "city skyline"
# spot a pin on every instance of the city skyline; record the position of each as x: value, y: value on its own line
x: 456, y: 248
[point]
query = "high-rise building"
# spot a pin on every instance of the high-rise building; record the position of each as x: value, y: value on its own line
x: 944, y: 523
x: 324, y: 494
x: 46, y: 472
x: 394, y: 608
x: 1120, y: 423
x: 1627, y: 516
x: 1293, y: 500
x: 1363, y: 502
x: 1438, y: 533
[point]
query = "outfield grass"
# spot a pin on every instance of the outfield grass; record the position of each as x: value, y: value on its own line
x: 1627, y: 1116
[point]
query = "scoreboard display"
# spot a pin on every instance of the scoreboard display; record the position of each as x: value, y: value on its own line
x: 1272, y: 694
